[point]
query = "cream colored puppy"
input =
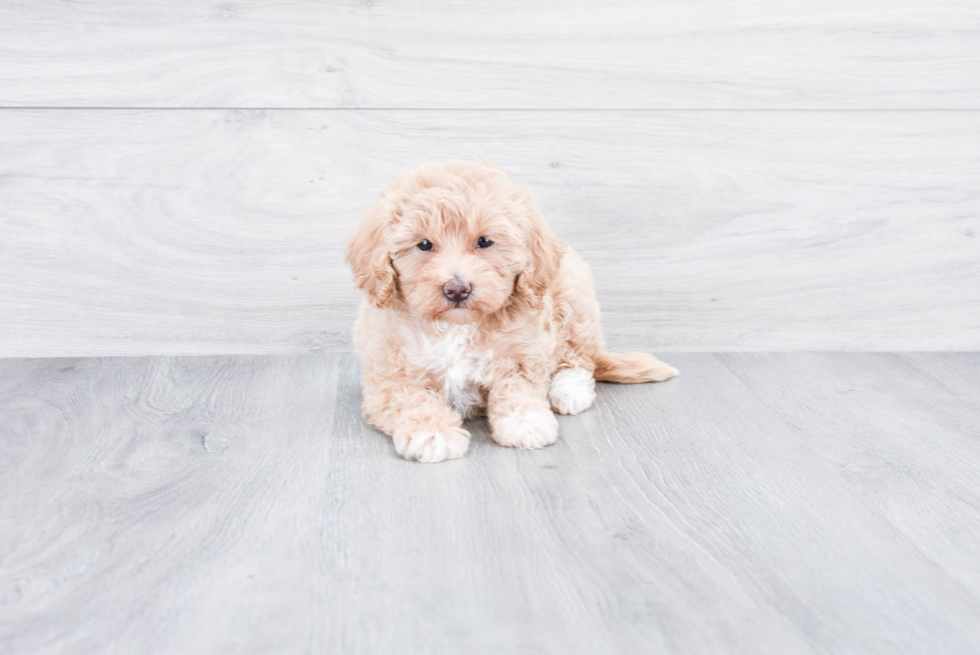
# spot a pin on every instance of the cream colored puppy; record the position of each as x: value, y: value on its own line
x: 473, y: 305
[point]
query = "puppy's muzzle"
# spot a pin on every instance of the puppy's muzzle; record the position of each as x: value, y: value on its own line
x: 456, y: 291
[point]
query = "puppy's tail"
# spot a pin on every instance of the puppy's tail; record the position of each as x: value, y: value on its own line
x: 630, y: 368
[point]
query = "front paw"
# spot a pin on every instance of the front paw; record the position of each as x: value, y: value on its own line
x: 431, y: 445
x: 529, y: 430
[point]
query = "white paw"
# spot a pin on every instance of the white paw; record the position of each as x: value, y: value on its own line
x: 431, y: 446
x: 572, y: 390
x: 530, y: 430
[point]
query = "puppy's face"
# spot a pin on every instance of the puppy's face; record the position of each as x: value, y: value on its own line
x: 457, y: 264
x: 455, y: 242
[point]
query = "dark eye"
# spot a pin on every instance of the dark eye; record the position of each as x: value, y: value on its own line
x: 425, y: 244
x: 483, y: 242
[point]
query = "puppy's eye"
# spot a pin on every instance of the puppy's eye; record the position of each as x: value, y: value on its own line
x: 425, y: 244
x: 483, y: 242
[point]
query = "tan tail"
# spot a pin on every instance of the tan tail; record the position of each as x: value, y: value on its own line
x: 630, y: 368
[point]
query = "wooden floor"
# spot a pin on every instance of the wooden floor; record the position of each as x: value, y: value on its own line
x: 759, y: 503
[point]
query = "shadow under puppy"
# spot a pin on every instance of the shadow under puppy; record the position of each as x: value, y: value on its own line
x: 473, y: 305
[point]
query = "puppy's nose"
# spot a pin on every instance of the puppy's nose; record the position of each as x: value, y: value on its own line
x: 456, y: 291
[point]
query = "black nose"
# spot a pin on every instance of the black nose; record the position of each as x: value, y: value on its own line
x: 456, y: 291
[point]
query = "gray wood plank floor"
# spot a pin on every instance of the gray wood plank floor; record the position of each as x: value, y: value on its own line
x: 777, y: 503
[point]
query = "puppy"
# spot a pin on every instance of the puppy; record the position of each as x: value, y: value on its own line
x: 473, y: 306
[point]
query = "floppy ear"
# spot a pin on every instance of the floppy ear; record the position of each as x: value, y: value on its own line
x: 545, y: 251
x: 368, y: 254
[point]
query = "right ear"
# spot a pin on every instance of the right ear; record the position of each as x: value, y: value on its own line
x: 368, y: 254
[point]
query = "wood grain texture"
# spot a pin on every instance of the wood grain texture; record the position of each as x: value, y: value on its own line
x: 169, y: 232
x: 893, y: 443
x: 791, y: 503
x: 438, y: 54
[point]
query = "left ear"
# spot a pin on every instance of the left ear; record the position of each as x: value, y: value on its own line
x: 545, y: 251
x: 368, y: 255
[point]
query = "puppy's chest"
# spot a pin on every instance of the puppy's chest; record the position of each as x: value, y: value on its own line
x: 460, y: 366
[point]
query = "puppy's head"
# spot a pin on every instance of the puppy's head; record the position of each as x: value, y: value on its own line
x: 456, y: 242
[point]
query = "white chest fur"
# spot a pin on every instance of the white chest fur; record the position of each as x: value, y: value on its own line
x: 451, y: 355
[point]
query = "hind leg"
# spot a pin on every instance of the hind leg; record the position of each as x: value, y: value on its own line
x: 572, y: 390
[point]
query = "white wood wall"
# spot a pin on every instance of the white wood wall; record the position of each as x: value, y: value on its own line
x: 180, y: 177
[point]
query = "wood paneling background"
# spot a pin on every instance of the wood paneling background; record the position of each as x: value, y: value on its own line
x: 558, y: 54
x: 740, y: 176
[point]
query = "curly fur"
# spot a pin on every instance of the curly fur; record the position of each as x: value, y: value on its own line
x: 527, y: 339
